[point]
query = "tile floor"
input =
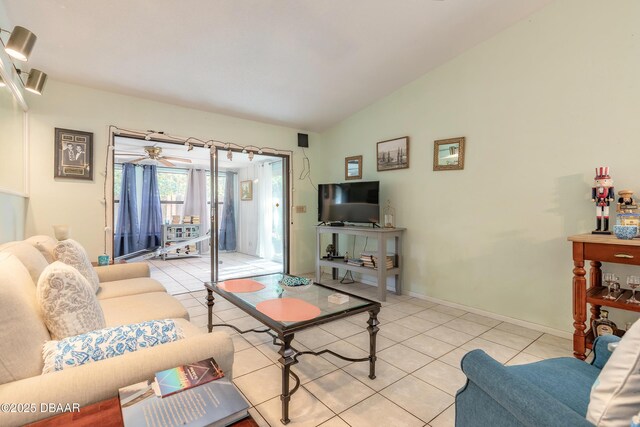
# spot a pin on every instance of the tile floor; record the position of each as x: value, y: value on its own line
x: 187, y: 274
x: 420, y: 345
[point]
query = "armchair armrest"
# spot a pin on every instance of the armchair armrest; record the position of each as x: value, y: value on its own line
x: 601, y: 352
x: 111, y: 273
x: 528, y: 403
x: 101, y: 380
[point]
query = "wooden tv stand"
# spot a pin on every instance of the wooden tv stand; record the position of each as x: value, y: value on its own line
x: 381, y: 273
x: 597, y: 249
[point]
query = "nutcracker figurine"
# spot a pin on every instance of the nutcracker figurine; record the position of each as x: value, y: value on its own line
x: 602, y: 194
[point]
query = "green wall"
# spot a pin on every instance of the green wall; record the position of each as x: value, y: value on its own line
x: 541, y: 105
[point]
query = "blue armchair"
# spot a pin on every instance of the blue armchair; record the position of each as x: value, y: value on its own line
x: 553, y: 392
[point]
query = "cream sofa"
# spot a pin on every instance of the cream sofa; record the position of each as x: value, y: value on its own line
x: 127, y: 295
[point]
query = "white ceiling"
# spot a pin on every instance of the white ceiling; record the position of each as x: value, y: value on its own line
x: 307, y: 64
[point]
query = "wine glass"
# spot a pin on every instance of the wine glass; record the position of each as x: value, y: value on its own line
x: 609, y: 279
x: 633, y: 282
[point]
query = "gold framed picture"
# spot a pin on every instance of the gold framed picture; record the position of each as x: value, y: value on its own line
x: 353, y: 167
x: 448, y: 154
x: 246, y: 190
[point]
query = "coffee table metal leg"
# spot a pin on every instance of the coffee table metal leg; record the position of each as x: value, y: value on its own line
x: 373, y: 330
x: 287, y: 359
x: 210, y: 302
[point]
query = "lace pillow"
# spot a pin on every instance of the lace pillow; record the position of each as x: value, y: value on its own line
x: 72, y: 253
x: 67, y: 301
x: 109, y: 342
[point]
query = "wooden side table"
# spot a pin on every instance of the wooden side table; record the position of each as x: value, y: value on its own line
x: 597, y: 249
x: 104, y: 414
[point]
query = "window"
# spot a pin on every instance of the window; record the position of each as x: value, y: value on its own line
x: 172, y: 185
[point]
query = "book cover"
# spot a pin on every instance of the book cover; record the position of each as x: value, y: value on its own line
x: 216, y: 403
x: 184, y: 377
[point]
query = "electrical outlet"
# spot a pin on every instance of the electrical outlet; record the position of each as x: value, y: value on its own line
x: 301, y: 209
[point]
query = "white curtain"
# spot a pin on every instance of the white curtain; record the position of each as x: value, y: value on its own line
x: 195, y: 202
x: 265, y: 207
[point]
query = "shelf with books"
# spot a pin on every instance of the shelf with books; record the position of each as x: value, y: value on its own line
x: 391, y: 268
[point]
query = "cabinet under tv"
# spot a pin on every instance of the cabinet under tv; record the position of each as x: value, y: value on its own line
x: 381, y: 271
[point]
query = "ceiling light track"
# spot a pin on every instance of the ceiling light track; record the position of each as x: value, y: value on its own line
x: 192, y: 142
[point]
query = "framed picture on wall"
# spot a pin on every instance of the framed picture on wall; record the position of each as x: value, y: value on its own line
x: 73, y: 154
x: 393, y: 154
x: 246, y: 190
x: 448, y: 154
x: 353, y: 167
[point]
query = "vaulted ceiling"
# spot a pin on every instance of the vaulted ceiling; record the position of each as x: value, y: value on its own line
x: 307, y: 64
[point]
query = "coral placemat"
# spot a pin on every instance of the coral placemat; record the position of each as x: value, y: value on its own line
x: 288, y: 309
x: 238, y: 286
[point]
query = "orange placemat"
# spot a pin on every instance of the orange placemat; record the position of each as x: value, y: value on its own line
x: 288, y: 309
x: 238, y: 286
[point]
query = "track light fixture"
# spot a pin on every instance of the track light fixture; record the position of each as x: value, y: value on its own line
x: 19, y: 46
x: 229, y: 155
x: 251, y: 156
x: 20, y: 43
x: 35, y: 82
x: 189, y: 147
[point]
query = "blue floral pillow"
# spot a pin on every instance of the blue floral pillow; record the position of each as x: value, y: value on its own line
x: 109, y: 342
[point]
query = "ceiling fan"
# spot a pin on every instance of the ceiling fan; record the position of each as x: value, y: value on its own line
x: 154, y: 153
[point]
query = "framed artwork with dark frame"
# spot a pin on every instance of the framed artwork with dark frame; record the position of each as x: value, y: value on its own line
x: 246, y: 190
x: 393, y: 154
x: 448, y: 154
x: 73, y: 154
x: 353, y: 167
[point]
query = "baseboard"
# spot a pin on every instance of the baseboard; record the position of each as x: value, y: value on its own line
x: 523, y: 323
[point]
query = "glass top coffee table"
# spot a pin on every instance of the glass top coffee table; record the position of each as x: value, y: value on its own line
x: 286, y: 310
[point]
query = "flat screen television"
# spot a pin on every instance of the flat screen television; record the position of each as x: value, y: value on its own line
x: 349, y: 202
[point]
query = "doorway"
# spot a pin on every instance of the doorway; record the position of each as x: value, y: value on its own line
x: 236, y: 206
x: 257, y: 185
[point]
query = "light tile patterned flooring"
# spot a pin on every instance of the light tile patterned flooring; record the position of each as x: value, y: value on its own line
x: 187, y: 274
x: 420, y: 345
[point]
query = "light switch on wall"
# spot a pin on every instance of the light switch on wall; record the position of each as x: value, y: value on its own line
x: 301, y: 209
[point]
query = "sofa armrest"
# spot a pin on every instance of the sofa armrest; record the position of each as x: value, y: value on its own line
x: 101, y: 380
x: 111, y: 273
x: 601, y: 352
x: 528, y: 403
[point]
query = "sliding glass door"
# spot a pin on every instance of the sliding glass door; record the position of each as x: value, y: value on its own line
x: 251, y: 237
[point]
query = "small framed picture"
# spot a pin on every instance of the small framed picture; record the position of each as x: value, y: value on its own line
x: 73, y: 154
x: 353, y: 167
x: 393, y: 154
x: 246, y: 190
x: 448, y: 154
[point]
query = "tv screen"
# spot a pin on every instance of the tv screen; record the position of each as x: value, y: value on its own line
x: 349, y: 202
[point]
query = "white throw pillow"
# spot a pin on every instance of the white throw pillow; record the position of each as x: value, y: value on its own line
x: 72, y: 253
x: 615, y: 395
x: 69, y: 305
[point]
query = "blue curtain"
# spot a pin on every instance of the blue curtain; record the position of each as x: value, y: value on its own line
x: 227, y: 236
x: 151, y: 212
x: 128, y: 229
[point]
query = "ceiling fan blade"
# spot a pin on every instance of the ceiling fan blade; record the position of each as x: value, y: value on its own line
x: 120, y: 154
x: 138, y: 160
x: 177, y: 159
x: 165, y: 162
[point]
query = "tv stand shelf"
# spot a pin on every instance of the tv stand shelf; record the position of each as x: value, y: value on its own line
x: 381, y: 273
